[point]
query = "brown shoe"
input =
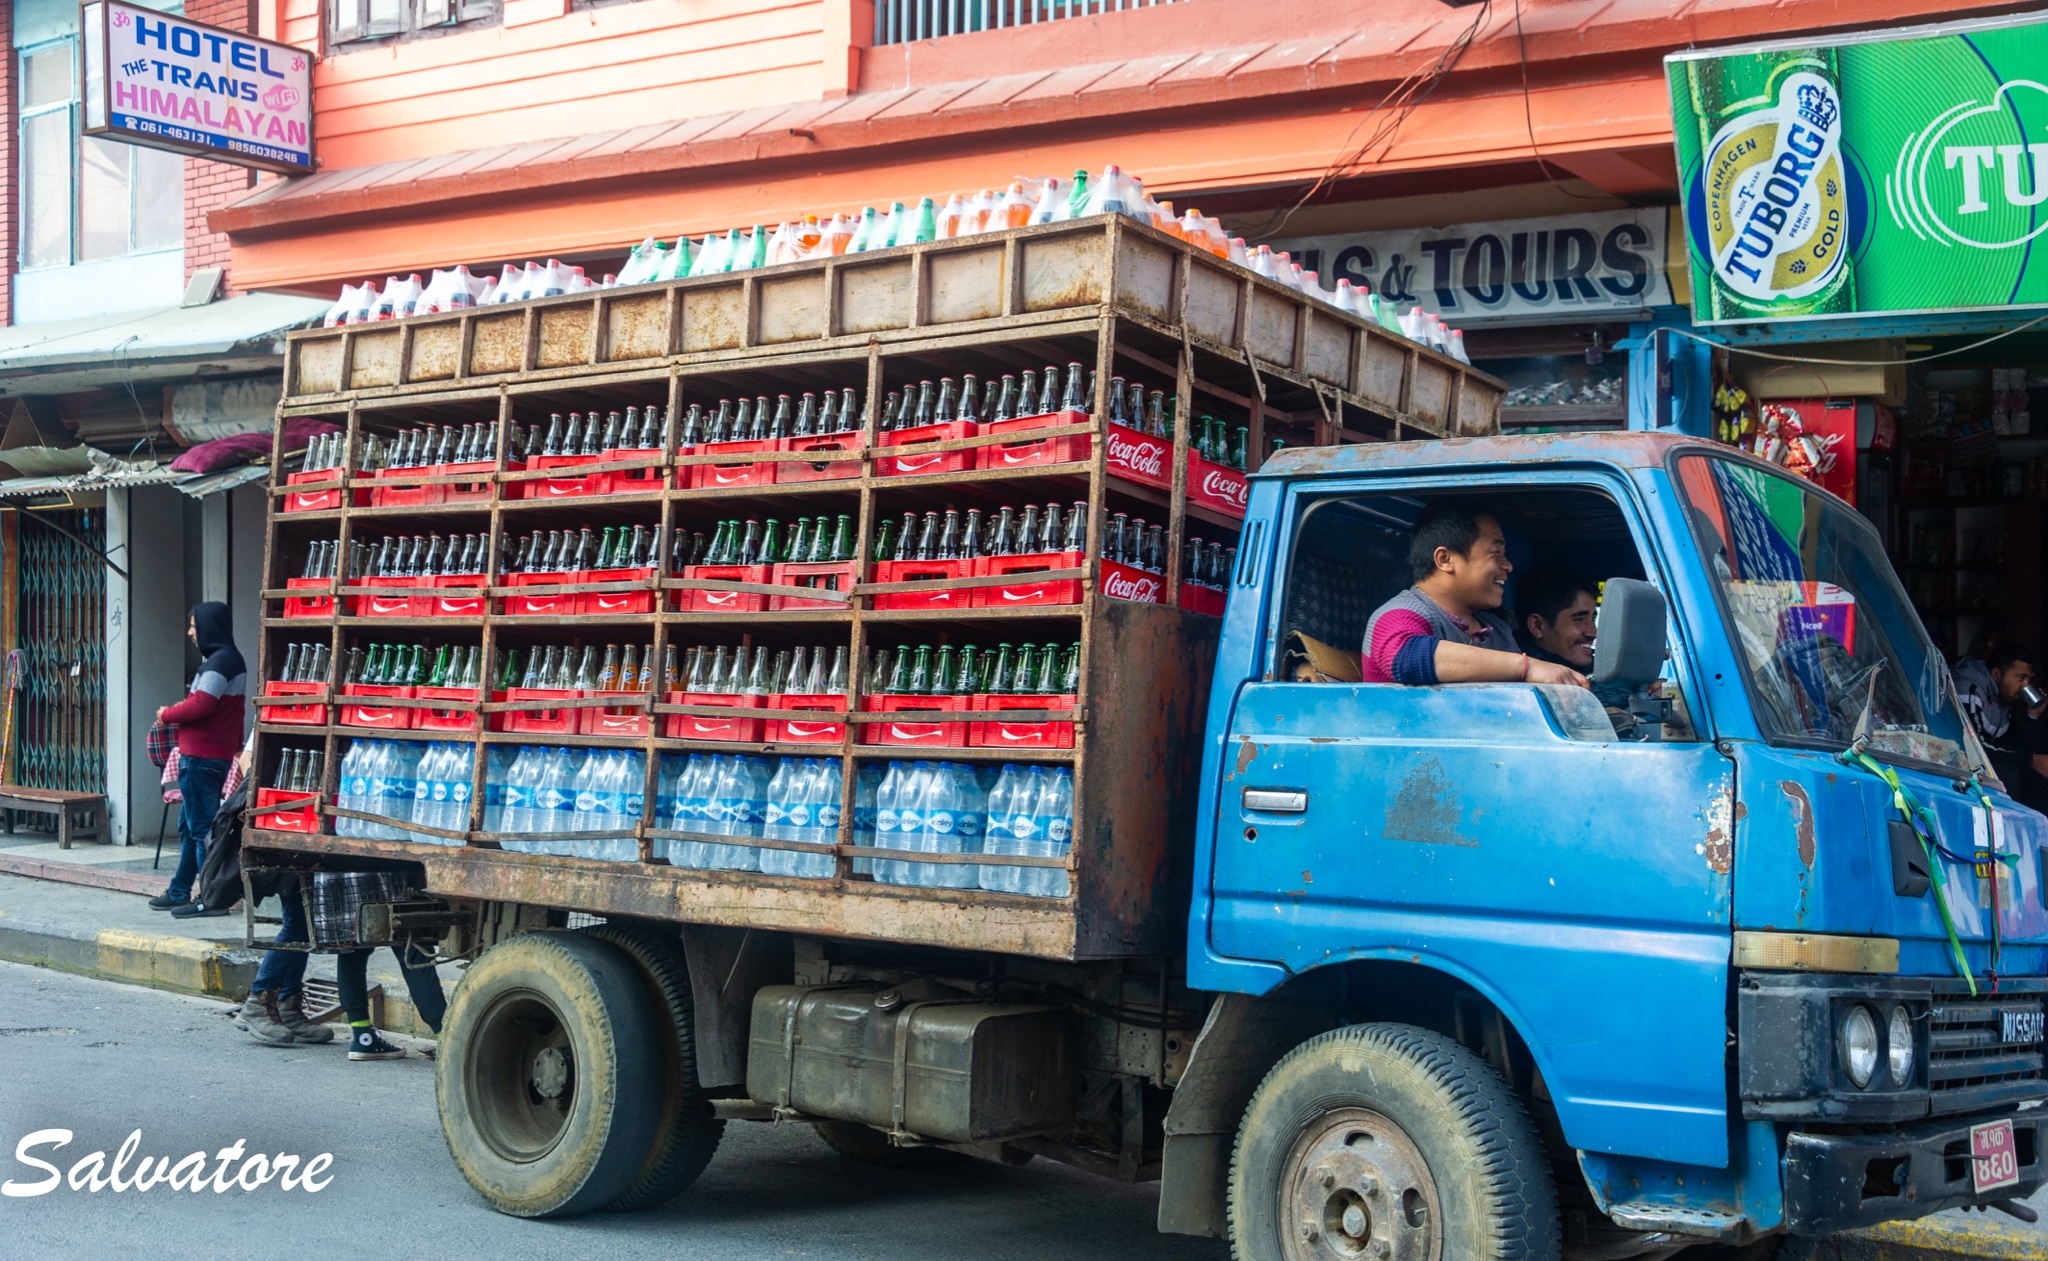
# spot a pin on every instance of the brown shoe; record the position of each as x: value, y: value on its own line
x: 291, y: 1014
x: 259, y: 1013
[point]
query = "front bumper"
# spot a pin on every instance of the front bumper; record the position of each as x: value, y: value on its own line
x: 1838, y: 1181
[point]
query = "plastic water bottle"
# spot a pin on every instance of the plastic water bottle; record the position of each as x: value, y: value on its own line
x: 631, y: 790
x: 827, y: 788
x: 997, y: 838
x: 521, y: 782
x: 1025, y: 827
x: 902, y: 808
x: 1056, y: 811
x: 866, y: 785
x: 345, y: 793
x: 946, y: 804
x: 400, y: 765
x: 424, y: 807
x: 668, y: 769
x: 971, y: 823
x: 775, y: 823
x: 688, y: 811
x: 497, y: 773
x: 553, y: 800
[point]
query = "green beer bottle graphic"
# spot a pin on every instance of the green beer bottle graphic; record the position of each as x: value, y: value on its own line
x: 1777, y: 201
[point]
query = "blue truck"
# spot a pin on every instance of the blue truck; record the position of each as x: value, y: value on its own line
x: 1739, y: 947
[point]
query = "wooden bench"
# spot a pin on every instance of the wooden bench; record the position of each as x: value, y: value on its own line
x: 79, y: 815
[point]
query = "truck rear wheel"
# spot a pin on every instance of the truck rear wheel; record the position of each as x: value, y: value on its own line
x: 686, y: 1134
x: 1386, y: 1142
x: 549, y: 1073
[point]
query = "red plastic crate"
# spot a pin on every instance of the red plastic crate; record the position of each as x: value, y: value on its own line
x: 408, y: 496
x: 737, y: 473
x: 314, y: 715
x: 540, y: 722
x: 1032, y: 452
x: 466, y: 492
x: 546, y: 604
x: 445, y: 719
x: 998, y: 733
x: 931, y: 462
x: 1216, y: 486
x: 910, y: 732
x: 1025, y: 591
x: 569, y: 487
x: 406, y: 605
x: 1199, y: 599
x: 596, y: 602
x: 313, y: 500
x: 725, y: 601
x: 833, y: 575
x: 614, y: 720
x: 805, y: 730
x: 639, y: 481
x: 456, y: 606
x: 386, y: 717
x: 1128, y: 582
x: 835, y: 470
x: 305, y: 819
x: 924, y: 571
x: 705, y: 727
x: 1141, y: 457
x: 306, y: 605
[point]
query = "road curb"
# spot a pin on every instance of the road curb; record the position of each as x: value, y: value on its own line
x: 158, y: 960
x: 1968, y: 1237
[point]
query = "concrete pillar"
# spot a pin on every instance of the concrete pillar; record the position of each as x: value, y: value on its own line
x: 146, y: 614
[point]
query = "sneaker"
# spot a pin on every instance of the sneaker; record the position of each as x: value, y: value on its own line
x: 259, y: 1016
x: 292, y: 1014
x: 195, y: 910
x: 165, y: 902
x: 368, y: 1045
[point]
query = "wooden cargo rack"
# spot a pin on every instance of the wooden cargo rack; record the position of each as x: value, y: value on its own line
x: 1116, y: 296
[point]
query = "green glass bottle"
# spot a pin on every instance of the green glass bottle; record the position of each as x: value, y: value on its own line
x: 899, y: 675
x: 1001, y: 681
x: 438, y: 676
x: 920, y: 681
x: 1027, y: 670
x: 943, y: 679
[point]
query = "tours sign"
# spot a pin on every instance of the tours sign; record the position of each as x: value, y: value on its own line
x: 1891, y: 173
x: 157, y: 79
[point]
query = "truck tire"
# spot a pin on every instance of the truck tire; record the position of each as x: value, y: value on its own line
x: 1387, y: 1142
x: 869, y: 1146
x: 685, y: 1134
x: 548, y: 1075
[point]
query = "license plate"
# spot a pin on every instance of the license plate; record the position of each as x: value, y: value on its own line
x: 1994, y: 1162
x: 2021, y: 1026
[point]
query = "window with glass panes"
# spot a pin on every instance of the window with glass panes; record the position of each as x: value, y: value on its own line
x: 84, y: 198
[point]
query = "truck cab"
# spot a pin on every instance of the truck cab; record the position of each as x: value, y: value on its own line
x: 1749, y: 945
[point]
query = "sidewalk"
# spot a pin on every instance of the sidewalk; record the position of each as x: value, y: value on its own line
x: 104, y: 932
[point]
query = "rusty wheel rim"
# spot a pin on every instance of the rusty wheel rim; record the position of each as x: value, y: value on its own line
x: 1356, y: 1188
x: 522, y: 1083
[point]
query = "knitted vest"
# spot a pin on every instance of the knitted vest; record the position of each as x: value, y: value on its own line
x: 1443, y: 625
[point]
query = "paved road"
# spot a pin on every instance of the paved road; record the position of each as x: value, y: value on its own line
x: 103, y: 1059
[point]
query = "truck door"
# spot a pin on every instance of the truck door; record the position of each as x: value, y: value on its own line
x: 1502, y: 833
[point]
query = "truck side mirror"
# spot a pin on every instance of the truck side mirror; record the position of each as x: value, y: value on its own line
x: 1628, y: 647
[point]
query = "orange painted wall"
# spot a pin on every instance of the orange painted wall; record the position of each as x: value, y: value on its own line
x: 570, y: 75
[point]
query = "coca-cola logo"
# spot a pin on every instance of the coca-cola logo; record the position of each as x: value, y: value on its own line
x: 1224, y: 485
x: 1129, y: 584
x: 1141, y: 456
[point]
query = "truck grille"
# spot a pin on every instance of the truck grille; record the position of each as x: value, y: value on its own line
x: 1970, y: 1062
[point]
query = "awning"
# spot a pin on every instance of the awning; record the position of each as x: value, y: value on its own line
x: 201, y: 485
x: 239, y: 334
x: 110, y: 473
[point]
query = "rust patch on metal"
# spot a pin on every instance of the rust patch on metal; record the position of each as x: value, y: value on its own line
x: 436, y: 351
x: 374, y: 361
x: 1270, y: 328
x: 499, y: 344
x: 1063, y: 272
x: 1308, y: 877
x: 1720, y: 816
x: 1322, y: 739
x: 875, y: 297
x: 714, y: 318
x: 1144, y: 277
x: 1246, y: 753
x: 793, y: 309
x: 564, y: 336
x: 964, y: 285
x: 1802, y: 817
x: 1211, y: 302
x: 319, y: 365
x: 637, y: 328
x: 1329, y: 352
x: 1425, y: 809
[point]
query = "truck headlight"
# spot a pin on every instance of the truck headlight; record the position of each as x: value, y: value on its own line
x: 1859, y: 1045
x: 1898, y: 1045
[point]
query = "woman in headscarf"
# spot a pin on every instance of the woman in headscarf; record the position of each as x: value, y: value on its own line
x: 209, y: 723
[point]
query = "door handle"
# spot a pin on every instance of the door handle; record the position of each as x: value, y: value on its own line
x: 1276, y: 800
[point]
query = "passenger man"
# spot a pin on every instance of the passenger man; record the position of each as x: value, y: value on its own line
x: 1445, y: 628
x: 1558, y: 609
x: 1993, y: 693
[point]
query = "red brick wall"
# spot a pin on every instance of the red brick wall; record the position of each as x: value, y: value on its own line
x: 211, y: 185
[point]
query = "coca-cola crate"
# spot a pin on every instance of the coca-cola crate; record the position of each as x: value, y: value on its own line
x: 1140, y: 457
x: 631, y: 721
x: 908, y: 730
x: 314, y: 500
x: 539, y: 722
x: 314, y: 715
x: 834, y: 470
x: 805, y: 730
x: 385, y: 717
x: 829, y: 575
x: 725, y: 601
x: 736, y: 473
x: 1199, y: 599
x: 633, y: 481
x: 466, y: 492
x: 924, y: 571
x: 1026, y: 591
x: 304, y: 819
x: 407, y: 496
x: 931, y: 461
x: 308, y: 605
x: 1216, y: 486
x: 456, y: 605
x: 406, y: 605
x: 1128, y: 582
x: 1000, y: 733
x: 445, y: 719
x: 606, y: 602
x: 566, y: 487
x: 544, y: 604
x: 1032, y: 452
x: 704, y: 726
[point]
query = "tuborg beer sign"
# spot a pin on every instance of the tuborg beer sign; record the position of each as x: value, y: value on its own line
x: 157, y: 79
x: 1876, y: 174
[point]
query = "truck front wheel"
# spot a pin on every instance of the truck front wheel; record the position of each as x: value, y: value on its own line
x: 549, y: 1076
x: 1386, y: 1142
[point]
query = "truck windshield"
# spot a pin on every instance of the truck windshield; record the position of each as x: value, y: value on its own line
x: 1820, y: 621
